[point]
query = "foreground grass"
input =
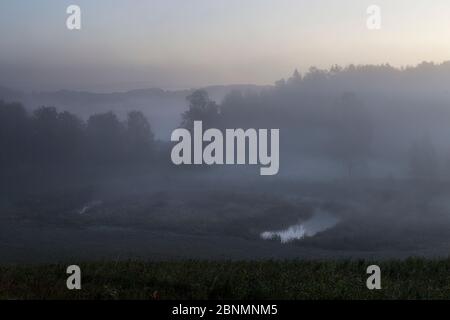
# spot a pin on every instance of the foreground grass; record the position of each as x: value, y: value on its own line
x: 290, y: 279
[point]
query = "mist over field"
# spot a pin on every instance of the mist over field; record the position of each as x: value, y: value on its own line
x: 364, y: 170
x: 90, y: 97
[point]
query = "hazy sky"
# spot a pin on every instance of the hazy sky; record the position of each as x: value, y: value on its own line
x: 189, y: 43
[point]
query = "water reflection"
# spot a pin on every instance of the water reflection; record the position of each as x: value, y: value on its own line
x: 320, y: 221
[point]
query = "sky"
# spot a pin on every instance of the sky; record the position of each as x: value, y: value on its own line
x: 175, y: 44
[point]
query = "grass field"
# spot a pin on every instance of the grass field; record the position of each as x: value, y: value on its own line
x: 408, y: 279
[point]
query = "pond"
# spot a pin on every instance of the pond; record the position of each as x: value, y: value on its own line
x: 320, y: 221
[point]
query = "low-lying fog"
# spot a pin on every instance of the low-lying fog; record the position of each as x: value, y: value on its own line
x: 364, y: 172
x: 216, y: 218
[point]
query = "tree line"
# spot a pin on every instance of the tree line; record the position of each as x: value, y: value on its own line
x: 314, y: 123
x: 47, y: 137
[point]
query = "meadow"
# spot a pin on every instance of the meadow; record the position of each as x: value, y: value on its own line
x: 413, y: 278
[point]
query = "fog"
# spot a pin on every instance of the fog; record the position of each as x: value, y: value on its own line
x: 364, y: 170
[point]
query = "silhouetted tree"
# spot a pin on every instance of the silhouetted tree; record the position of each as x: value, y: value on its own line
x: 201, y: 108
x: 52, y: 148
x: 15, y: 134
x: 280, y: 83
x: 106, y: 137
x: 47, y: 138
x: 140, y: 138
x: 71, y: 129
x: 295, y: 79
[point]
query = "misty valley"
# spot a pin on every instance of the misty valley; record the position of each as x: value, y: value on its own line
x: 360, y: 174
